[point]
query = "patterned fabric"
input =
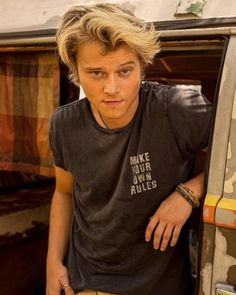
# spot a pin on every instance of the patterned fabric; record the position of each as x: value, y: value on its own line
x: 29, y: 93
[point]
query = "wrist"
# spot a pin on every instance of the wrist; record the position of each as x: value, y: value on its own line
x: 53, y: 260
x: 188, y: 195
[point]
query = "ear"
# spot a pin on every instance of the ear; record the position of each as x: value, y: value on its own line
x: 143, y: 74
x: 143, y: 68
x: 74, y: 77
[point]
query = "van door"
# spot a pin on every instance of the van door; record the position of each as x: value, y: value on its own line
x: 218, y: 257
x: 206, y: 63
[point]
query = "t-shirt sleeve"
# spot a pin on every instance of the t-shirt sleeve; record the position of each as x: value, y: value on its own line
x: 55, y: 140
x: 189, y: 114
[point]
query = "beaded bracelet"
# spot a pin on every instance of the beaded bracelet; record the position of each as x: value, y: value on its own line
x: 187, y: 194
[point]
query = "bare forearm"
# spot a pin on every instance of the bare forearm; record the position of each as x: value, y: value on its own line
x: 59, y: 232
x: 60, y: 224
x: 196, y: 185
x: 167, y: 222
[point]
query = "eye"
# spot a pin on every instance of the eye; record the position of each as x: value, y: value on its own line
x: 96, y: 74
x: 126, y: 71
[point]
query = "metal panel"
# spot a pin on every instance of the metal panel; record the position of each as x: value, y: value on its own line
x: 217, y: 270
x: 46, y: 14
x: 224, y: 266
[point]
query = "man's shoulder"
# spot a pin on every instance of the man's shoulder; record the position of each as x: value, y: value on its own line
x: 175, y: 94
x: 69, y: 110
x: 153, y: 86
x: 154, y: 94
x: 156, y: 87
x: 158, y: 92
x: 185, y: 96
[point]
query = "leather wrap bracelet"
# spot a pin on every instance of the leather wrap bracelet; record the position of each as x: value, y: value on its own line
x: 188, y: 195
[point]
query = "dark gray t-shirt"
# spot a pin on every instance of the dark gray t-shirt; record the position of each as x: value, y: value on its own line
x: 121, y: 177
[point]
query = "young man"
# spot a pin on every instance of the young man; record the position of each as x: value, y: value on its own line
x: 119, y: 211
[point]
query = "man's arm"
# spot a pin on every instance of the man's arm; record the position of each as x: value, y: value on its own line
x: 59, y: 231
x: 169, y: 218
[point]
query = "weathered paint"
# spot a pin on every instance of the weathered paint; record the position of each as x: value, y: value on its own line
x: 225, y: 214
x: 209, y: 208
x: 207, y: 259
x: 230, y: 183
x: 226, y: 218
x: 222, y: 124
x: 194, y: 7
x: 206, y: 278
x: 220, y: 203
x: 221, y: 214
x: 224, y: 258
x: 224, y: 264
x: 230, y: 175
x: 218, y: 262
x: 46, y: 14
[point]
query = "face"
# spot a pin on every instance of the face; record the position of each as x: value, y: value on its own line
x: 111, y: 82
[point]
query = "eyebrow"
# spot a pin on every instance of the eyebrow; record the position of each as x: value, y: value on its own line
x: 122, y: 65
x: 128, y: 63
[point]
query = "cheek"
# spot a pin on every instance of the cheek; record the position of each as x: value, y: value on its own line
x: 134, y: 85
x: 88, y: 86
x: 92, y: 91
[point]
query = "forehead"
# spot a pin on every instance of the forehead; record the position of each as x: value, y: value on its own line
x: 95, y: 54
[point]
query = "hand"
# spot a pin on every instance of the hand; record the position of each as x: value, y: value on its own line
x: 167, y: 221
x: 58, y: 280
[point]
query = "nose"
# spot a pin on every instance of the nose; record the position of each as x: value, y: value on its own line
x: 111, y: 85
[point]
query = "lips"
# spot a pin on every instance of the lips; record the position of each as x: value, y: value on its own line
x: 112, y: 102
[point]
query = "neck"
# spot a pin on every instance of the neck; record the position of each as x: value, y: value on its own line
x: 114, y: 123
x: 103, y: 121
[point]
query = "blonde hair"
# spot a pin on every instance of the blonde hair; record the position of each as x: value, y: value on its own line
x: 108, y: 24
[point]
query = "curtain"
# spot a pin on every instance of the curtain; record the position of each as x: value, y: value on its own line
x: 29, y: 93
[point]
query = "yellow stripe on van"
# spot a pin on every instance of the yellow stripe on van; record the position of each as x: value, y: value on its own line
x: 226, y: 213
x: 209, y: 209
x: 228, y: 204
x: 211, y: 200
x: 210, y: 203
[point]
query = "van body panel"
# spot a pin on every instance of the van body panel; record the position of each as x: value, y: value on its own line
x: 222, y: 123
x: 224, y: 262
x: 218, y: 263
x: 47, y: 37
x: 207, y: 259
x: 210, y: 204
x: 46, y: 14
